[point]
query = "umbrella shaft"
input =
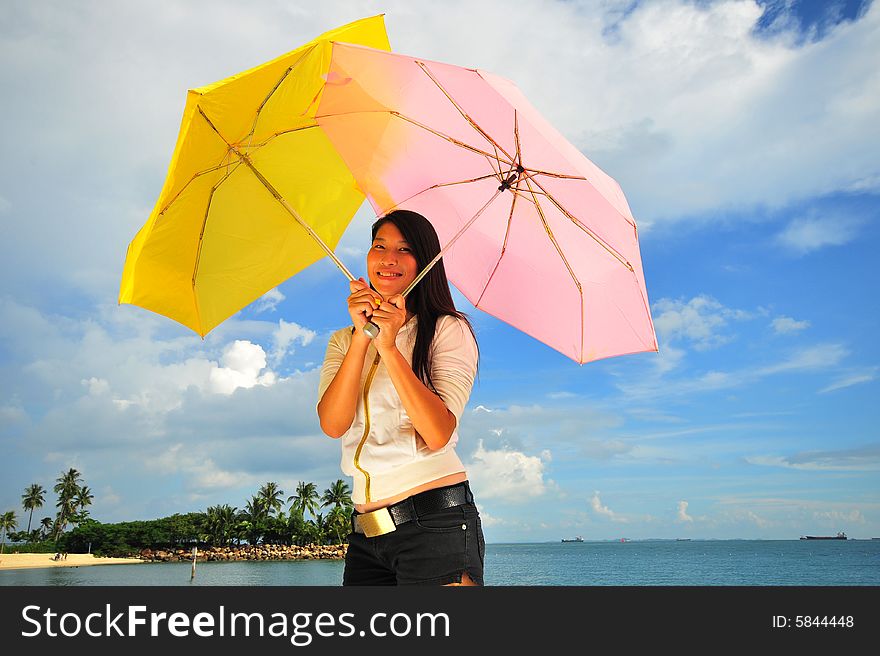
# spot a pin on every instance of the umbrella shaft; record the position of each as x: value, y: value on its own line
x: 449, y: 244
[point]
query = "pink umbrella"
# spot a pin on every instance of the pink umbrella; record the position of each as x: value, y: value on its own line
x: 533, y: 232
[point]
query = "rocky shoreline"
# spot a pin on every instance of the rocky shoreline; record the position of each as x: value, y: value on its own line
x: 248, y: 552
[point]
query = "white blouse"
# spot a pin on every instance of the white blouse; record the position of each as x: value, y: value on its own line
x: 381, y: 450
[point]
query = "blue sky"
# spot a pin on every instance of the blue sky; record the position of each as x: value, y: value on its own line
x: 745, y: 136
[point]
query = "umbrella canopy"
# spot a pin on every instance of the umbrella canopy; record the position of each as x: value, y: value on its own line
x: 254, y: 194
x: 533, y: 232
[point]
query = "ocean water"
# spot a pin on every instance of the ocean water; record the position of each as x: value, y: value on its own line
x: 634, y: 563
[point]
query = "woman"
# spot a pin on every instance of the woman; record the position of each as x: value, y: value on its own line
x: 396, y: 402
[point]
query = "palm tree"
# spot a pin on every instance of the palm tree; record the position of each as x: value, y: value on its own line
x: 338, y: 495
x: 33, y: 497
x: 305, y: 499
x: 272, y: 495
x: 296, y: 527
x: 339, y: 521
x: 221, y: 525
x: 316, y: 529
x: 45, y: 527
x: 66, y: 487
x: 82, y: 499
x: 255, y: 514
x: 7, y: 523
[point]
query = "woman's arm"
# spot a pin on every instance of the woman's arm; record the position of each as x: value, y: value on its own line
x: 338, y: 405
x: 430, y: 414
x: 427, y: 411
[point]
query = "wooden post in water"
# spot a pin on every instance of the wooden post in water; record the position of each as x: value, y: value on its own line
x: 193, y: 573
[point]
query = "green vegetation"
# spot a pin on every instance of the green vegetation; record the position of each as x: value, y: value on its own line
x: 7, y: 524
x: 262, y: 521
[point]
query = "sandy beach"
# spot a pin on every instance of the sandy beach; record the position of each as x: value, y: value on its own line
x: 31, y: 560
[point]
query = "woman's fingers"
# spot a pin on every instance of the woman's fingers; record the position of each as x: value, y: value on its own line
x: 363, y: 301
x: 366, y: 294
x: 388, y: 314
x: 398, y: 301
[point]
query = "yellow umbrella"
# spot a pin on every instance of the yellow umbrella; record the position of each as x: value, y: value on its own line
x: 255, y: 191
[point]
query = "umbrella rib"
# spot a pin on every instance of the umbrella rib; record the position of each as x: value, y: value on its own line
x: 449, y: 244
x: 191, y: 180
x: 458, y: 182
x: 201, y: 240
x: 493, y: 161
x: 213, y: 127
x: 503, y: 249
x: 558, y: 175
x: 392, y: 112
x: 580, y: 225
x: 564, y: 260
x: 314, y: 235
x: 461, y: 111
x: 293, y: 213
x: 275, y: 88
x: 516, y: 137
x: 280, y: 134
x: 432, y: 187
x: 453, y: 140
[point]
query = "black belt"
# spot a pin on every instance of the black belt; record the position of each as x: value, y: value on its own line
x: 385, y: 520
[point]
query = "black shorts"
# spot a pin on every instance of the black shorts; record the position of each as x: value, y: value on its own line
x: 434, y: 549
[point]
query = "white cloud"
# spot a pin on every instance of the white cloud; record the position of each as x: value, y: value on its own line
x: 717, y: 102
x: 787, y: 325
x: 668, y: 359
x: 567, y: 427
x: 807, y: 234
x: 109, y: 497
x: 866, y: 458
x: 268, y: 301
x: 12, y: 413
x: 849, y: 380
x: 285, y: 335
x: 836, y: 516
x: 488, y: 520
x: 699, y: 321
x: 756, y: 519
x: 605, y: 511
x: 563, y: 395
x: 201, y: 471
x: 242, y: 364
x: 682, y: 512
x: 508, y: 475
x: 96, y: 386
x: 817, y: 357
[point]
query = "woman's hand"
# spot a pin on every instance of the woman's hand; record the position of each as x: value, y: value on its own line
x: 362, y: 302
x: 389, y: 316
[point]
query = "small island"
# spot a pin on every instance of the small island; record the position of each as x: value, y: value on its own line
x: 314, y: 526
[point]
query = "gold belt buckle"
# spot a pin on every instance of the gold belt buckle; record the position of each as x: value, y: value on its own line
x: 377, y: 522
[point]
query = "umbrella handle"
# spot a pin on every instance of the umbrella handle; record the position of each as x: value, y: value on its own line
x: 371, y: 330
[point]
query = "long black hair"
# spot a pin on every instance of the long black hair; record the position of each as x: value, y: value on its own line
x: 430, y: 299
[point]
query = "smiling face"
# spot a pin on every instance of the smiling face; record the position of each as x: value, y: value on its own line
x: 390, y: 263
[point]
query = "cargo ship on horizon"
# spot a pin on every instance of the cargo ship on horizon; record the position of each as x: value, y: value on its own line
x: 839, y: 536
